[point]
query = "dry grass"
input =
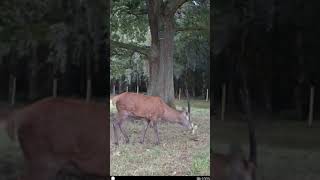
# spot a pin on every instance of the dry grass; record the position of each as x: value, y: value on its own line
x: 178, y: 153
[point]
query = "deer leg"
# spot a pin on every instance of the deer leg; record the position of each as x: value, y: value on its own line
x: 122, y: 116
x: 115, y: 131
x: 144, y: 133
x: 123, y: 132
x: 115, y: 125
x: 155, y: 128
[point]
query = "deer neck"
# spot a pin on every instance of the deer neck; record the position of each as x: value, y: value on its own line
x: 171, y: 115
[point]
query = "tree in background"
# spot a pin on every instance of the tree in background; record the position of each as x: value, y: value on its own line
x: 52, y: 39
x: 150, y: 28
x: 273, y: 45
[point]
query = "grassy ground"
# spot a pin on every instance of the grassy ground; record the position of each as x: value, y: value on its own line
x: 287, y: 150
x: 11, y: 160
x: 179, y: 152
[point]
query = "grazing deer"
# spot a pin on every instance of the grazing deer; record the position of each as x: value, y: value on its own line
x: 150, y: 108
x: 58, y: 133
x: 234, y: 165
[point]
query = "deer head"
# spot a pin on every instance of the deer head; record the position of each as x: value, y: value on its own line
x: 184, y: 119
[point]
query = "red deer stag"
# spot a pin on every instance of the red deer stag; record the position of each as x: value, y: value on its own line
x: 234, y: 166
x: 151, y: 108
x: 56, y: 133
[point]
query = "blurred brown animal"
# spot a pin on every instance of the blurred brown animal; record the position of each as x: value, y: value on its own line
x: 56, y: 133
x: 150, y: 108
x: 234, y: 165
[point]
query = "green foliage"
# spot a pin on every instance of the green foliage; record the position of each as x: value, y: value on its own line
x: 129, y: 24
x: 57, y: 38
x: 127, y: 68
x: 192, y: 47
x: 194, y: 14
x: 61, y: 26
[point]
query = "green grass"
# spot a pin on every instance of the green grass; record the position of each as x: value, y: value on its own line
x: 179, y: 153
x: 200, y: 163
x: 198, y: 104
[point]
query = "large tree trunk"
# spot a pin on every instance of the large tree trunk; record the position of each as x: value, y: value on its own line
x: 166, y: 60
x: 161, y: 66
x: 154, y: 59
x: 154, y: 71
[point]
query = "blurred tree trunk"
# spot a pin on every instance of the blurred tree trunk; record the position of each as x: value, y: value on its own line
x: 311, y: 104
x: 223, y: 101
x: 120, y: 85
x: 12, y: 89
x: 88, y: 73
x: 32, y: 67
x: 267, y: 96
x: 55, y: 87
x: 298, y: 101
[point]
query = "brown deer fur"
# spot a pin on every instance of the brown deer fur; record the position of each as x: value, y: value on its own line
x: 232, y: 166
x: 151, y: 108
x: 55, y: 132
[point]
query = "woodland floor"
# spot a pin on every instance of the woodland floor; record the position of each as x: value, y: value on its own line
x: 178, y: 154
x: 287, y: 150
x: 11, y: 160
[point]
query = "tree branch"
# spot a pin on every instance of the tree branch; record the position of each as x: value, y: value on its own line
x: 135, y: 12
x: 172, y: 6
x: 138, y: 12
x: 196, y: 28
x: 145, y: 50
